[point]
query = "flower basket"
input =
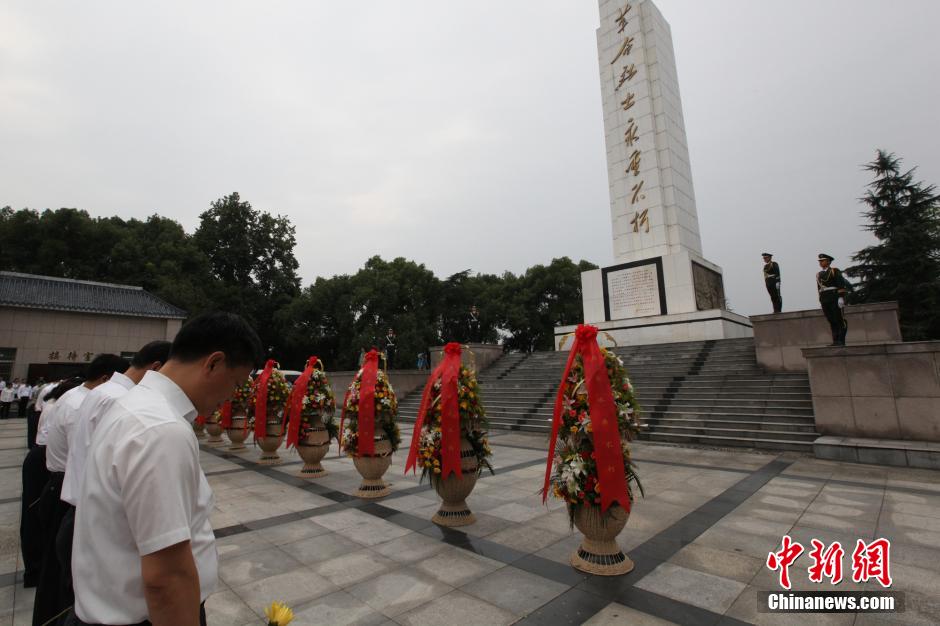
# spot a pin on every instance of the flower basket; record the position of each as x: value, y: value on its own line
x: 214, y: 428
x: 199, y: 426
x: 595, y: 419
x: 450, y: 441
x: 311, y: 426
x: 369, y: 432
x: 238, y: 423
x: 268, y: 401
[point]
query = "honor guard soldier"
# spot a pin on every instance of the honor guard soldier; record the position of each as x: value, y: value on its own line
x: 832, y: 289
x: 772, y: 281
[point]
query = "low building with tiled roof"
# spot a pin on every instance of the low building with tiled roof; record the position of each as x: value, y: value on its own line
x: 50, y: 327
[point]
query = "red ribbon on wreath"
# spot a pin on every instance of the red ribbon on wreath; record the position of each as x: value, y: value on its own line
x: 226, y: 412
x: 449, y: 373
x: 295, y: 405
x: 606, y: 434
x: 261, y: 399
x: 368, y: 376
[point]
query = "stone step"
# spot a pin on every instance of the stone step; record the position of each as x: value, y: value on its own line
x: 726, y: 441
x: 806, y: 428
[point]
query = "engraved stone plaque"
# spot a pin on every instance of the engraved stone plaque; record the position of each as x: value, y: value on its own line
x: 633, y: 292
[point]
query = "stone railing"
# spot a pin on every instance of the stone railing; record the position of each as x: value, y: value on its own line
x: 780, y: 338
x: 881, y: 391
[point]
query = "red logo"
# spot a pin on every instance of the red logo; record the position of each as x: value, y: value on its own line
x: 869, y: 561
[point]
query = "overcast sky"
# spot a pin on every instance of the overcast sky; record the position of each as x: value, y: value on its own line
x: 463, y: 135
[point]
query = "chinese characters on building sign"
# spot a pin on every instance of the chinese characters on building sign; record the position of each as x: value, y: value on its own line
x: 869, y: 561
x: 72, y: 355
x: 627, y: 73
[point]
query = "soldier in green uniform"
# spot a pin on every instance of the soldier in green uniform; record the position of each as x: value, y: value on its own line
x: 772, y: 281
x: 832, y: 289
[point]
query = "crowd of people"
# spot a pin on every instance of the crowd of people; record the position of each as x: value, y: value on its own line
x: 116, y: 507
x: 18, y: 394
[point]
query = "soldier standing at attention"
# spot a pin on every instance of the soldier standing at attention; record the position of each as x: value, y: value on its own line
x: 832, y: 289
x: 772, y: 281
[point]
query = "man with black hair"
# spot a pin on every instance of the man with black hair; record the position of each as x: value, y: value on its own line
x: 832, y: 288
x: 52, y: 597
x: 150, y: 357
x: 144, y: 548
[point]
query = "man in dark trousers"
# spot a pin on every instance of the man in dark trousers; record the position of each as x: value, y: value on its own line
x: 832, y: 289
x: 772, y: 281
x: 390, y: 348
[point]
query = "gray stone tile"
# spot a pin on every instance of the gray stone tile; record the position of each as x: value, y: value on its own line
x: 514, y: 590
x: 486, y: 525
x: 374, y: 532
x: 757, y: 546
x: 746, y: 607
x: 837, y: 523
x: 528, y: 538
x: 398, y: 591
x: 320, y: 548
x: 457, y: 608
x: 410, y: 548
x: 255, y: 566
x: 225, y: 607
x: 617, y: 614
x: 515, y: 512
x: 354, y: 567
x: 707, y: 591
x: 338, y: 607
x: 456, y: 567
x: 735, y: 566
x: 241, y: 544
x: 341, y: 520
x: 292, y: 531
x: 293, y: 588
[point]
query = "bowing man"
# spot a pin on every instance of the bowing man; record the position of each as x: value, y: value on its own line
x: 51, y: 598
x: 144, y: 548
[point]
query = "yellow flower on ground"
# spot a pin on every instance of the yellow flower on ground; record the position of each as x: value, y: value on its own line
x: 278, y: 614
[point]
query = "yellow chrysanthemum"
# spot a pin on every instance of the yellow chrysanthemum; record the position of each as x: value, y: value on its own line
x: 278, y: 614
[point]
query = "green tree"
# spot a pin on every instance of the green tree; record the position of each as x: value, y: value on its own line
x: 904, y: 265
x: 251, y: 255
x: 544, y: 297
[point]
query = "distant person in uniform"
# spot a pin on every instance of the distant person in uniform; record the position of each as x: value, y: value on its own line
x: 474, y: 327
x: 832, y: 289
x: 772, y: 281
x: 390, y: 348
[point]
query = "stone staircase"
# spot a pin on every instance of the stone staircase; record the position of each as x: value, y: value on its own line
x: 703, y: 392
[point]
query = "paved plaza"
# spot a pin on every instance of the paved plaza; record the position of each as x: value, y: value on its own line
x: 700, y: 539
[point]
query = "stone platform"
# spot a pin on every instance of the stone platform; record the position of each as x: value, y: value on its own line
x: 699, y: 539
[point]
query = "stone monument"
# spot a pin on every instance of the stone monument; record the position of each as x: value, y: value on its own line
x: 660, y: 289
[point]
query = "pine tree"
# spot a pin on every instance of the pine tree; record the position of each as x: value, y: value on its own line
x: 904, y: 265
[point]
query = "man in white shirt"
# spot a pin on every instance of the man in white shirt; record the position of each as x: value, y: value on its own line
x: 143, y: 547
x: 7, y: 396
x: 35, y: 478
x: 22, y: 398
x: 53, y: 595
x: 150, y: 357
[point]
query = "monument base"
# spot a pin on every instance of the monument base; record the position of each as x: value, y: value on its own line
x: 697, y: 326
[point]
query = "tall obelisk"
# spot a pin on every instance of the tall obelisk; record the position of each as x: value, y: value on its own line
x: 661, y: 288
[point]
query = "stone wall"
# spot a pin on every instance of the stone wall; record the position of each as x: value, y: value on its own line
x: 881, y: 391
x: 781, y: 337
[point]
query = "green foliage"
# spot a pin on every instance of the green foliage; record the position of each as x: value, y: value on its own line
x: 241, y: 259
x: 542, y: 298
x: 904, y: 265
